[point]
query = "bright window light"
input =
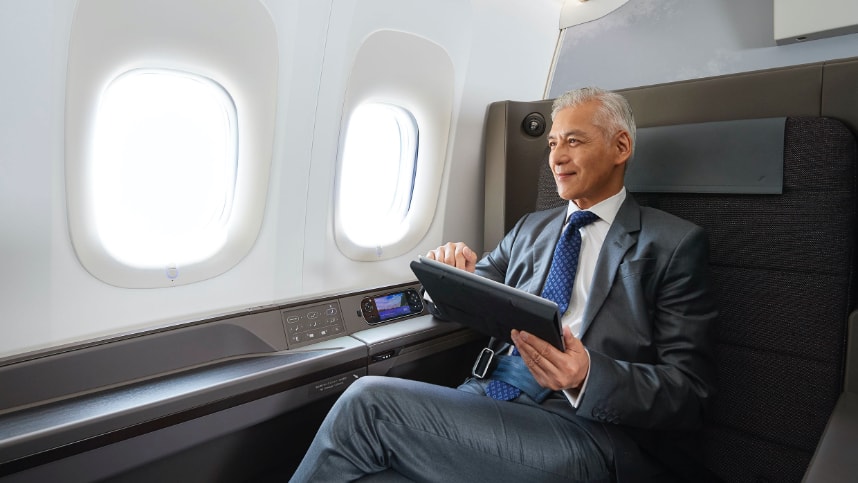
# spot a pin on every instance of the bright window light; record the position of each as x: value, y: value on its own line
x: 164, y: 168
x: 377, y: 173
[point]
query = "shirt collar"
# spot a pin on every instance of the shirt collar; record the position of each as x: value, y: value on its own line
x: 606, y: 209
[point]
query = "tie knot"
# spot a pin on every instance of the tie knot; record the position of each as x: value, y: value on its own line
x: 582, y: 218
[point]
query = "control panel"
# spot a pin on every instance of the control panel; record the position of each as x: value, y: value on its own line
x: 313, y: 323
x: 389, y: 306
x: 336, y: 317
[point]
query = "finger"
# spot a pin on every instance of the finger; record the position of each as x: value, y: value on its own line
x: 458, y: 258
x: 436, y: 254
x: 548, y: 360
x: 470, y: 258
x: 532, y: 343
x: 459, y: 255
x: 535, y: 351
x: 518, y: 339
x: 442, y: 254
x: 571, y: 343
x: 450, y: 254
x: 526, y: 343
x: 455, y: 254
x: 541, y: 369
x: 466, y: 259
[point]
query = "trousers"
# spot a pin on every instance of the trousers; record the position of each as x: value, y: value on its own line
x: 425, y: 432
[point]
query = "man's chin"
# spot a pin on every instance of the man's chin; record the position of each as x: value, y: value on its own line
x: 566, y: 195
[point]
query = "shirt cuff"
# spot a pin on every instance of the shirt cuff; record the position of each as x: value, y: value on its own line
x: 574, y: 395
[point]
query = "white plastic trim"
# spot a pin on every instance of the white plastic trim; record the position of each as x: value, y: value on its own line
x: 800, y: 20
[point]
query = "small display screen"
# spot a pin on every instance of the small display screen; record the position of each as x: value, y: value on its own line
x: 393, y: 305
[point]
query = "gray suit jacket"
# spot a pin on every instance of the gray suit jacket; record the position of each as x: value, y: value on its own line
x: 647, y: 323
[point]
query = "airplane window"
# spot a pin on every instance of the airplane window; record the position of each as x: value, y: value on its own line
x: 377, y: 173
x: 164, y: 167
x: 168, y: 138
x: 392, y: 145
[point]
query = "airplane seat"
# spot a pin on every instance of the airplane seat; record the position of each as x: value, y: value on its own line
x: 784, y: 295
x: 782, y: 248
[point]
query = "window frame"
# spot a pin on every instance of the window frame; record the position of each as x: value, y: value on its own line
x: 416, y: 74
x: 140, y: 36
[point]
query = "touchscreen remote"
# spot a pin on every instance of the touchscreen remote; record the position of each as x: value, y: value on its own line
x: 381, y: 308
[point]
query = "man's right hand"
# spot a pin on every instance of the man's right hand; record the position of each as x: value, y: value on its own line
x: 455, y: 254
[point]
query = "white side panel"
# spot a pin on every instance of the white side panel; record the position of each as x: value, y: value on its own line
x: 32, y: 40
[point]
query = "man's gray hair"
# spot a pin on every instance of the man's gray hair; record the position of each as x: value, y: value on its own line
x: 614, y: 112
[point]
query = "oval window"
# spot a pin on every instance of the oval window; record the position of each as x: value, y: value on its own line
x: 164, y: 168
x: 376, y: 179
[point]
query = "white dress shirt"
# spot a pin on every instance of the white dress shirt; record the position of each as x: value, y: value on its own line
x: 592, y: 239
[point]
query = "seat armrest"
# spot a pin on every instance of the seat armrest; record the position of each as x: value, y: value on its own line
x: 836, y: 456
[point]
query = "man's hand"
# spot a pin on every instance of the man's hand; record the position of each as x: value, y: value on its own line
x: 552, y: 368
x: 455, y: 254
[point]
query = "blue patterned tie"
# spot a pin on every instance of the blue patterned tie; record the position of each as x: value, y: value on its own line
x: 564, y: 265
x: 558, y: 289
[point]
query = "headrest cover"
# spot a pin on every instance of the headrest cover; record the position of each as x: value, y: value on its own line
x: 744, y: 156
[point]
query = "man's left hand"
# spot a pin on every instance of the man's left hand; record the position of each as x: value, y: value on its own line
x: 552, y: 368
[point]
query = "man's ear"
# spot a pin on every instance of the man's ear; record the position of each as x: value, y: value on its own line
x: 623, y: 146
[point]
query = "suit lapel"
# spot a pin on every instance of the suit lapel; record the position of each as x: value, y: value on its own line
x: 620, y: 238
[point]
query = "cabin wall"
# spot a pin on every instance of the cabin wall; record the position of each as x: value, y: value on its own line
x: 648, y: 42
x: 500, y: 49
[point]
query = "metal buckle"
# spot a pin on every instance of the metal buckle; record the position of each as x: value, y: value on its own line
x: 483, y: 362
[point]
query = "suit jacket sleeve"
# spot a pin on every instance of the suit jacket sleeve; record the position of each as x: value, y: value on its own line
x: 522, y: 258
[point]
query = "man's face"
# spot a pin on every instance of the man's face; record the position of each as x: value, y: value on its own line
x: 588, y: 166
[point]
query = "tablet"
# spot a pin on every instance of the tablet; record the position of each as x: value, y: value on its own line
x: 485, y: 305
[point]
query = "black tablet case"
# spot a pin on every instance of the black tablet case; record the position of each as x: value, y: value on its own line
x: 485, y: 305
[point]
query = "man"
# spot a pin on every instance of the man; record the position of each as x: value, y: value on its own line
x: 637, y: 364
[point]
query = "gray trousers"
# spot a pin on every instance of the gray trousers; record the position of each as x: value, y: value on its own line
x: 425, y: 432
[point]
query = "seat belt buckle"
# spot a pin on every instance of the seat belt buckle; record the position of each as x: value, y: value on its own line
x: 483, y: 363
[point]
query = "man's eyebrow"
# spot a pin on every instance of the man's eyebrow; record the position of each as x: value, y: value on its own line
x: 564, y: 134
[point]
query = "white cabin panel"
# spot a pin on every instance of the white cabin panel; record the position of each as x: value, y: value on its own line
x: 497, y: 49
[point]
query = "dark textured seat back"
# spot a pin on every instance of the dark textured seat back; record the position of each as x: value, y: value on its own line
x: 783, y: 271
